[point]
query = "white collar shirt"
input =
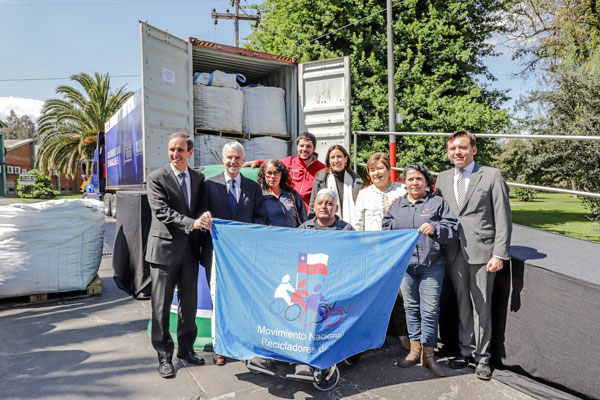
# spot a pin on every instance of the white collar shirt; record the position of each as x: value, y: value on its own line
x: 467, y: 172
x: 186, y: 177
x: 238, y: 183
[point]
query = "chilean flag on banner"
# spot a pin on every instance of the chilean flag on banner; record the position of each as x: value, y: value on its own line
x: 312, y: 263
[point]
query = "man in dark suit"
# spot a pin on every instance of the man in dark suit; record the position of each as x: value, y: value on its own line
x: 234, y: 197
x: 479, y: 197
x: 175, y: 194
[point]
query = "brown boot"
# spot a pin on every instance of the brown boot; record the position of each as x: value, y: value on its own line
x: 413, y: 357
x: 429, y: 361
x: 404, y: 342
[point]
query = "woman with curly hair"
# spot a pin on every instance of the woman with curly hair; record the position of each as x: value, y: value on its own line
x: 283, y: 204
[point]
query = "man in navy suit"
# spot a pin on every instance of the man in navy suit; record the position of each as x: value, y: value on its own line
x: 175, y: 194
x: 234, y: 197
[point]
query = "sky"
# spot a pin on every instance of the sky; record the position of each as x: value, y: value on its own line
x: 47, y: 39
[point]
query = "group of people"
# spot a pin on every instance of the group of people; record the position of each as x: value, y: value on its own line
x: 465, y: 231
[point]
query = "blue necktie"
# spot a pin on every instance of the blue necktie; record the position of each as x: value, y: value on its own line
x: 232, y: 197
x: 184, y: 188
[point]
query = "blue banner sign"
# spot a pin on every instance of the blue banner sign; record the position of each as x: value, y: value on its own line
x: 308, y: 296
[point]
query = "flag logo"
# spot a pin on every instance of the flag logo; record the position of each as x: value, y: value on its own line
x: 307, y: 305
x: 312, y: 263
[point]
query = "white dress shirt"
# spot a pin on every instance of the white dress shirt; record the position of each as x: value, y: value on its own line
x: 188, y: 183
x: 467, y: 172
x: 238, y: 184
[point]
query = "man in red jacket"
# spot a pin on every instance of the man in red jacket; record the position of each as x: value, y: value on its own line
x: 303, y: 167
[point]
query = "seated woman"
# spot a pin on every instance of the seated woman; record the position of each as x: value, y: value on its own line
x: 283, y: 204
x: 422, y: 282
x: 371, y: 205
x: 339, y: 177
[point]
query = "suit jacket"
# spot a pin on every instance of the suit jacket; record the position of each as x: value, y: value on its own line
x: 172, y: 220
x: 251, y: 204
x: 250, y: 209
x: 485, y: 221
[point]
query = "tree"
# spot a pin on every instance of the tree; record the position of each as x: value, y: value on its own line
x: 19, y: 127
x: 545, y: 30
x: 438, y: 51
x: 68, y: 127
x: 570, y: 105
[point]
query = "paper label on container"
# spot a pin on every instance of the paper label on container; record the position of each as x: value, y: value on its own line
x: 168, y: 76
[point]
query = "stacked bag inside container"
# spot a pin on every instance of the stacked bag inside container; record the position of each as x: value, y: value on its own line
x: 218, y: 101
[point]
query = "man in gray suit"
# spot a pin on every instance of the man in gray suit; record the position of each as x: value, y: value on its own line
x: 479, y: 197
x: 175, y: 194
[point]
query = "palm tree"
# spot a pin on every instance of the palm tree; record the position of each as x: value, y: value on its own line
x: 68, y: 127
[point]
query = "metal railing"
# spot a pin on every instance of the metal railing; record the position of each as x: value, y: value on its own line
x: 490, y: 136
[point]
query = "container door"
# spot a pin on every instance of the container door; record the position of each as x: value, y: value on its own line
x: 166, y: 93
x: 324, y: 106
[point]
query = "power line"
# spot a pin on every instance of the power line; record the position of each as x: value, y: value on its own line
x: 101, y: 3
x: 58, y: 79
x: 357, y: 22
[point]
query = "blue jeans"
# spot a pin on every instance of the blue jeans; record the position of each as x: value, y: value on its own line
x: 421, y: 288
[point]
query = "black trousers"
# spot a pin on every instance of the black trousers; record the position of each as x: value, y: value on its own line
x: 164, y: 280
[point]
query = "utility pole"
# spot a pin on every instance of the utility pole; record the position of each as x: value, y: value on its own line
x: 391, y: 90
x: 236, y: 17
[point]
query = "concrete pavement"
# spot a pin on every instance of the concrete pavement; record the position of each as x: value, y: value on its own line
x: 98, y: 348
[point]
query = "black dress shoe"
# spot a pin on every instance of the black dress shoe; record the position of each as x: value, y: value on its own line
x: 460, y: 362
x: 166, y: 370
x: 483, y: 372
x: 191, y: 358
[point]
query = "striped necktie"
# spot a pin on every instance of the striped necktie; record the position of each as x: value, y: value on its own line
x: 460, y: 188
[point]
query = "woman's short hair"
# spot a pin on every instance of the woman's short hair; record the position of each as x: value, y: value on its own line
x: 285, y: 182
x: 344, y: 152
x: 380, y: 156
x: 423, y: 170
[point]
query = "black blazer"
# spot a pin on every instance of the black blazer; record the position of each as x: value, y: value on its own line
x: 250, y: 209
x: 251, y: 204
x: 172, y: 220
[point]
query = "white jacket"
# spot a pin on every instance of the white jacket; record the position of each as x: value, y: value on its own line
x: 372, y: 204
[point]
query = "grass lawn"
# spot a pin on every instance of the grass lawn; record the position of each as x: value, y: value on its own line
x: 557, y: 213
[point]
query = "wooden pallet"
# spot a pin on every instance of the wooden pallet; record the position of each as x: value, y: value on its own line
x: 273, y: 135
x: 94, y: 288
x: 226, y: 134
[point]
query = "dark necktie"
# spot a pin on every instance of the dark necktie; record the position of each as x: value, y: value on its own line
x: 232, y: 197
x: 460, y: 188
x: 184, y: 188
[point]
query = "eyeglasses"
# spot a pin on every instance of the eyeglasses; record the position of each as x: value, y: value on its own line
x: 272, y: 173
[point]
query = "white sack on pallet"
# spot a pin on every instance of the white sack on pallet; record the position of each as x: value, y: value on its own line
x: 49, y: 247
x: 262, y: 148
x: 219, y: 78
x: 218, y: 108
x: 264, y: 111
x: 207, y: 145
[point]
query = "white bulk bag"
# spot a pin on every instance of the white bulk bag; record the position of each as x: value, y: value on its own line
x: 218, y: 108
x: 203, y: 144
x: 264, y: 110
x: 48, y: 247
x: 262, y: 148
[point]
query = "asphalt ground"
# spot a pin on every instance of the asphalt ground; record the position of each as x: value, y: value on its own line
x: 98, y: 348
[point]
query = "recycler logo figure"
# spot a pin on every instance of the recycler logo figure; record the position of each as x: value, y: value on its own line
x: 298, y: 303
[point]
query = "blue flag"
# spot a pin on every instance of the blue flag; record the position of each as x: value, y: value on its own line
x: 308, y: 296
